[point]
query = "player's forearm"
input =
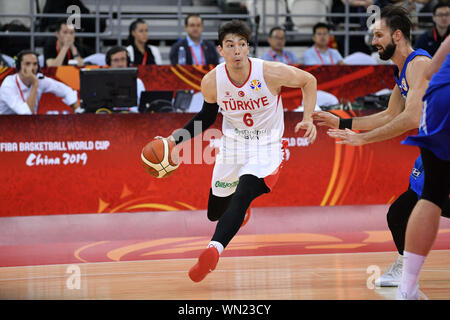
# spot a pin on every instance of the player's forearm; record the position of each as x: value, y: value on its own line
x: 399, y: 125
x: 372, y: 121
x: 309, y: 98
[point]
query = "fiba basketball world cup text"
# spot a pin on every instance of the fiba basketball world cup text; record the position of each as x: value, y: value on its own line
x: 45, y: 153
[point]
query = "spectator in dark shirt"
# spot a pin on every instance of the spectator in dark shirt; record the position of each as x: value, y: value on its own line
x: 141, y: 53
x: 432, y: 39
x: 60, y: 50
x: 197, y: 51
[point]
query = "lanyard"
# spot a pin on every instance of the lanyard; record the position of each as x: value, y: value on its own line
x: 274, y: 57
x: 68, y: 51
x: 202, y: 58
x: 320, y: 56
x: 20, y: 90
x: 144, y: 60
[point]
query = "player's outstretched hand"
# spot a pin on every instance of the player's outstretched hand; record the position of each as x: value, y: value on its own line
x: 326, y: 119
x: 347, y: 136
x: 311, y: 131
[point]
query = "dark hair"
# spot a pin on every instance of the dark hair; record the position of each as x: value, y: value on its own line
x: 440, y: 5
x: 115, y: 50
x: 19, y: 57
x: 132, y: 27
x: 320, y: 25
x: 186, y: 20
x: 234, y: 27
x: 397, y: 18
x: 275, y: 29
x: 57, y: 25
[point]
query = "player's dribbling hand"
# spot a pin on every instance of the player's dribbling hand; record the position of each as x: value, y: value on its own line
x: 311, y: 131
x: 326, y: 119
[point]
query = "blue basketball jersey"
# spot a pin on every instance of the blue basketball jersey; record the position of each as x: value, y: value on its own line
x: 400, y: 79
x: 434, y: 130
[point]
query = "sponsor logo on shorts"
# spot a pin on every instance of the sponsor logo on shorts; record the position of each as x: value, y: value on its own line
x: 224, y: 185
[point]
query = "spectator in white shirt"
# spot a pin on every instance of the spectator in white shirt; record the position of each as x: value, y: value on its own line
x: 20, y: 93
x: 319, y: 53
x: 118, y: 57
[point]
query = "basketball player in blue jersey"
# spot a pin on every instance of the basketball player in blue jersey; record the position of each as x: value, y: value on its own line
x: 397, y: 218
x: 434, y: 143
x: 247, y: 91
x: 392, y: 39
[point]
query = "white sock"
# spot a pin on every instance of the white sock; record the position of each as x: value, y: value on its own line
x: 216, y: 245
x: 412, y: 264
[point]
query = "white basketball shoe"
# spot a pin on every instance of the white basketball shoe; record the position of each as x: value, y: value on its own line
x: 392, y: 276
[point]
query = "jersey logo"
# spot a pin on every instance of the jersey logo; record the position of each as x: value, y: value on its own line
x: 404, y: 86
x: 415, y: 173
x: 241, y: 93
x: 255, y: 85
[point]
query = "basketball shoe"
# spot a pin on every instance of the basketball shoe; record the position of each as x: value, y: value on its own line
x: 207, y: 262
x: 392, y: 276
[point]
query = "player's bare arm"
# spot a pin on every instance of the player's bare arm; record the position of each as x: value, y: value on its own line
x: 209, y: 87
x: 207, y: 115
x: 279, y: 75
x: 395, y: 106
x: 407, y: 120
x: 439, y: 58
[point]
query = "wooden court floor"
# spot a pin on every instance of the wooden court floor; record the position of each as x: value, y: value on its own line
x: 344, y: 276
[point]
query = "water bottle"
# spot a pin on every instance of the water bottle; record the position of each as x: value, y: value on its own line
x: 181, y: 55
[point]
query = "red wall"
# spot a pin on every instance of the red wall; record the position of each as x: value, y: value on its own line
x: 108, y: 177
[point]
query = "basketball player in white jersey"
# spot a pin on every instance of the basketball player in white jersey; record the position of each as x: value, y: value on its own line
x: 247, y: 91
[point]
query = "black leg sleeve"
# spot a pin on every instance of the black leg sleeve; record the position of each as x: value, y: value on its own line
x: 398, y: 215
x: 217, y: 206
x: 249, y: 188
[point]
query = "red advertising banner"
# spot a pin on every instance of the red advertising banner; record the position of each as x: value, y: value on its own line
x: 91, y: 164
x: 344, y: 82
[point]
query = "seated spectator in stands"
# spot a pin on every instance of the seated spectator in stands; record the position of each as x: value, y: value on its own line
x: 432, y: 39
x: 193, y: 49
x: 60, y: 50
x: 20, y: 92
x: 320, y: 53
x: 117, y: 57
x: 141, y: 53
x: 277, y: 41
x: 424, y: 6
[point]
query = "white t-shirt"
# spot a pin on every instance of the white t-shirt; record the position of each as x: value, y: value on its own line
x: 14, y: 94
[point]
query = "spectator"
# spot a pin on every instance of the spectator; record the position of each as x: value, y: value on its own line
x: 277, y: 41
x: 432, y: 39
x: 117, y: 57
x: 87, y: 24
x: 141, y: 53
x: 424, y: 6
x: 319, y: 53
x: 197, y: 51
x: 20, y: 92
x: 60, y: 50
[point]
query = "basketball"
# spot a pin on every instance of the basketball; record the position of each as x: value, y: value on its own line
x: 158, y: 159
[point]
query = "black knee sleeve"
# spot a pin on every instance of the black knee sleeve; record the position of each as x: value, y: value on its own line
x: 217, y: 206
x: 398, y: 215
x: 249, y: 188
x: 437, y: 178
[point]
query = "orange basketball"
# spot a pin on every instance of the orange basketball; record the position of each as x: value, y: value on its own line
x: 158, y: 159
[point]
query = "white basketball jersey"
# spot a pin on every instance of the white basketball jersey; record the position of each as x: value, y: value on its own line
x: 251, y: 113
